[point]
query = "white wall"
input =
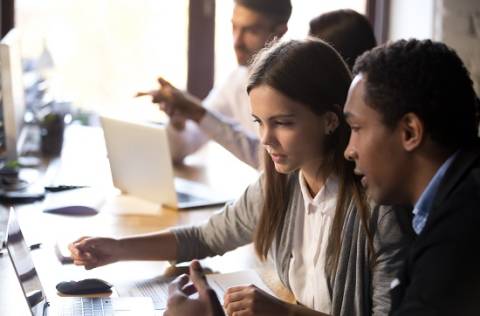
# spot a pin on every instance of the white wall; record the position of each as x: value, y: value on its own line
x: 411, y: 18
x: 454, y: 22
x: 460, y: 29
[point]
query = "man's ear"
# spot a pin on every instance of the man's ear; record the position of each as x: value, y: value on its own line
x: 280, y: 30
x: 412, y: 130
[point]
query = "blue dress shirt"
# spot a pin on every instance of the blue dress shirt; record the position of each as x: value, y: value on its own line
x: 424, y: 203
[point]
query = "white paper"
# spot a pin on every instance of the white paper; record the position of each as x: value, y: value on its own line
x: 221, y: 282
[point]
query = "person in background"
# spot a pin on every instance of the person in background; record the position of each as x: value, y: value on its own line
x: 414, y: 140
x: 236, y: 132
x: 348, y: 31
x: 224, y: 115
x: 307, y: 212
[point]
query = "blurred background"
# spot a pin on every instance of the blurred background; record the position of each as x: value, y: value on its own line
x: 98, y: 53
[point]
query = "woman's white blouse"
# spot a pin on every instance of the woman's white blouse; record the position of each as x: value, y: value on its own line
x: 307, y: 267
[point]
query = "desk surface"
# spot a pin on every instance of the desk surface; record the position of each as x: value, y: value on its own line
x: 83, y: 161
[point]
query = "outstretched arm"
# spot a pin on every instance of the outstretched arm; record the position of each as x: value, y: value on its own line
x: 94, y: 252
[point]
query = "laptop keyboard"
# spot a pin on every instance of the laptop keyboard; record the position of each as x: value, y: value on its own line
x: 154, y: 288
x: 88, y: 306
x: 158, y: 292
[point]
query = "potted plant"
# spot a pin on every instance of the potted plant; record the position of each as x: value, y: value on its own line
x: 52, y: 126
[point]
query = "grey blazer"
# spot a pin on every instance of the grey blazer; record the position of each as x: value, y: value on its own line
x: 360, y: 287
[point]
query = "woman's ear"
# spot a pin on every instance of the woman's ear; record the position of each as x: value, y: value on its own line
x: 331, y: 122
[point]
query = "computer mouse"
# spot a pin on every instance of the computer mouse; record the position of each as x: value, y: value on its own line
x: 86, y: 286
x: 77, y: 210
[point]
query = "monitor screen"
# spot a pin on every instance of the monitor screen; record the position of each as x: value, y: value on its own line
x: 12, y: 94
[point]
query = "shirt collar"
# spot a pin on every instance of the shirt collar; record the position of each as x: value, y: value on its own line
x: 424, y: 203
x: 327, y: 192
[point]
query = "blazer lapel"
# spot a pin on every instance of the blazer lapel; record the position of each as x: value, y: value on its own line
x: 464, y: 161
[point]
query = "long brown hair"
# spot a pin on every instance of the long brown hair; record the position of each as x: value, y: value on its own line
x: 312, y: 73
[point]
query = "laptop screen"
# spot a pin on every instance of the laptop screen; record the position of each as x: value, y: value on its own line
x: 19, y: 254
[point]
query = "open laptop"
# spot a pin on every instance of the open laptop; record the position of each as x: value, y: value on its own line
x: 141, y: 166
x: 37, y: 301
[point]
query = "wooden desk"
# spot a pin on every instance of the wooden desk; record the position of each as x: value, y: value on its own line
x: 84, y: 161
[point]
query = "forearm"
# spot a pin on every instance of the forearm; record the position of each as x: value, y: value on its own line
x: 189, y: 106
x: 155, y: 246
x: 197, y: 111
x: 232, y: 136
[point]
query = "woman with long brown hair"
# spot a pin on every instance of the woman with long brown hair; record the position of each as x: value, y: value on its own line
x: 307, y: 212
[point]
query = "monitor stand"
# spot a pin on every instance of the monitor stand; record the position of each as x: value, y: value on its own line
x: 15, y: 189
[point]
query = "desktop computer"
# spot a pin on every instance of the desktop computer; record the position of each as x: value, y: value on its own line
x: 14, y: 186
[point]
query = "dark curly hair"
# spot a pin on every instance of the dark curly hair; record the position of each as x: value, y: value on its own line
x: 426, y: 78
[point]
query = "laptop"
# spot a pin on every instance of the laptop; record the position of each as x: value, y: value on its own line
x: 141, y: 166
x: 39, y: 304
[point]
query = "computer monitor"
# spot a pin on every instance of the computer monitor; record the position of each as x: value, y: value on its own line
x: 13, y: 186
x: 12, y: 95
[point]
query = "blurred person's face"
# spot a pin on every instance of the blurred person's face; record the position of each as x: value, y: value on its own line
x: 376, y: 149
x: 251, y: 31
x: 289, y: 131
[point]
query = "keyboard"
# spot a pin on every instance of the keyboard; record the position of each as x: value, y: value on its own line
x: 88, y: 306
x: 154, y: 288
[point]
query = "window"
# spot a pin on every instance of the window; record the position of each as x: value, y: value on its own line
x: 303, y: 11
x: 105, y: 51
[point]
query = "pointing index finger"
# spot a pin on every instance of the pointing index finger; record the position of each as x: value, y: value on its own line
x: 145, y: 93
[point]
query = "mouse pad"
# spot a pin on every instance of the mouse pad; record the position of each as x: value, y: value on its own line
x: 79, y: 202
x: 77, y: 210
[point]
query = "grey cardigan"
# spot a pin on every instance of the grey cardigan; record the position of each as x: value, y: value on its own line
x: 359, y: 287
